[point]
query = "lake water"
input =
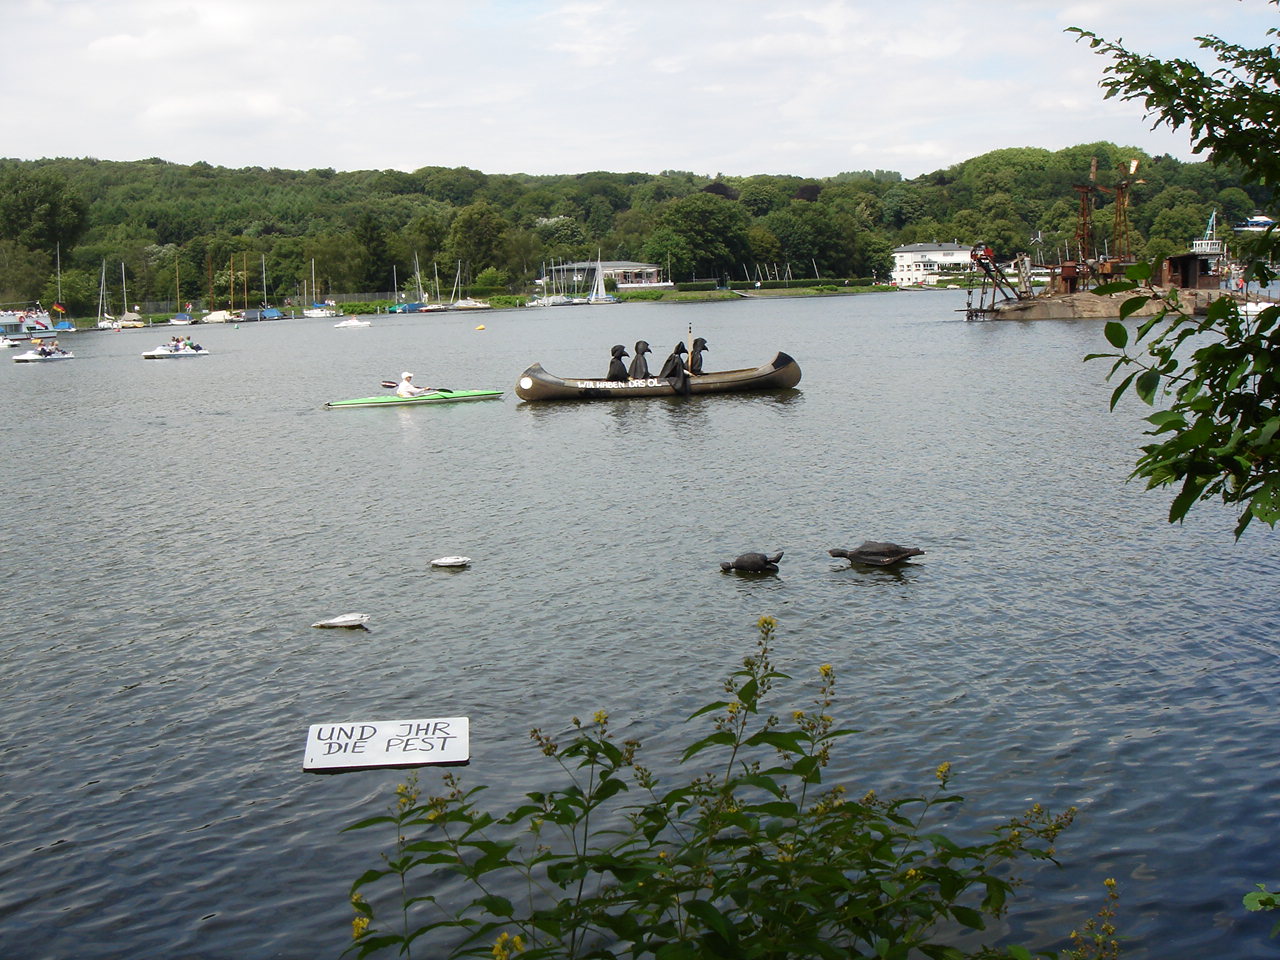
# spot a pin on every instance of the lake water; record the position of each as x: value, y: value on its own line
x: 173, y: 528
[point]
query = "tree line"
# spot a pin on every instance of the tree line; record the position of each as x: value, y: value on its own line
x: 192, y: 231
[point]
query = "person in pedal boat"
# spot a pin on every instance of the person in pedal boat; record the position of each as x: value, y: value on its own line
x: 406, y: 387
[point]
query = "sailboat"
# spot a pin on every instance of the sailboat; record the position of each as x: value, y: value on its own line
x: 466, y: 303
x: 598, y: 293
x: 317, y: 309
x: 105, y: 320
x: 266, y: 311
x: 436, y: 305
x: 127, y: 317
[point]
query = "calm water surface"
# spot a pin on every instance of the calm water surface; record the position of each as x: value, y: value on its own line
x: 173, y: 528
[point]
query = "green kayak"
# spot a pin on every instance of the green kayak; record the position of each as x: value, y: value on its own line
x: 435, y: 396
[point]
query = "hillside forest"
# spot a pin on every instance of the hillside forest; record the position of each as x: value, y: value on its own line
x: 178, y: 231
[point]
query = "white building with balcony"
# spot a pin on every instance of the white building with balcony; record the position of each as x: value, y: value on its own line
x: 927, y: 263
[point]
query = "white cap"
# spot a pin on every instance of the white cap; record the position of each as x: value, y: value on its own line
x: 405, y: 376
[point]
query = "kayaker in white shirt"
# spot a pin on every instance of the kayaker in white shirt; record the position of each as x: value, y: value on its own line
x: 406, y: 387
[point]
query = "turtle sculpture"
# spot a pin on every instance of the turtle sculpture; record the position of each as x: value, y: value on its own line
x: 877, y: 554
x: 753, y: 563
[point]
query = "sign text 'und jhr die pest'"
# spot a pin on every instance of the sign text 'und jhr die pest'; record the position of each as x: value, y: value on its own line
x: 335, y: 747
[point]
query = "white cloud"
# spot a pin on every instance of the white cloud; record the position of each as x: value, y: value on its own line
x: 520, y: 85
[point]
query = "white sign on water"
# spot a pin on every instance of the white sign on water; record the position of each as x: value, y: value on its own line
x: 332, y: 747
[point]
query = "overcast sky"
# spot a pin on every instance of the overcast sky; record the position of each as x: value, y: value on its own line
x: 504, y: 86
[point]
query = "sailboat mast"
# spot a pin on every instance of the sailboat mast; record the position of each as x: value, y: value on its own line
x: 265, y: 298
x: 124, y: 291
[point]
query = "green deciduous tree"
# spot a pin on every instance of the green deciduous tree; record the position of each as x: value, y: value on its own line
x: 41, y: 210
x: 713, y: 229
x: 476, y: 235
x: 22, y: 272
x: 1217, y: 377
x: 375, y: 273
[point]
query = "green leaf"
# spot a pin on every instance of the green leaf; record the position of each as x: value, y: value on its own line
x: 969, y: 917
x: 1192, y: 487
x: 1260, y: 899
x: 1116, y: 334
x: 369, y: 823
x: 1132, y: 306
x: 1119, y: 391
x: 1146, y: 386
x: 1145, y: 327
x: 719, y: 738
x: 792, y: 740
x: 713, y: 918
x: 1140, y: 271
x: 498, y: 906
x: 1118, y: 286
x: 709, y: 708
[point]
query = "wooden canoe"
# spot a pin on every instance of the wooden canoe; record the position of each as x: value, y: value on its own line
x: 778, y: 374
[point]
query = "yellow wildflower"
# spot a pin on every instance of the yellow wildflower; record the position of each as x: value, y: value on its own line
x: 506, y: 945
x: 358, y: 926
x: 943, y: 770
x: 826, y: 669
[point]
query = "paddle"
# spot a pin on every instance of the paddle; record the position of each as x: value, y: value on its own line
x: 392, y: 384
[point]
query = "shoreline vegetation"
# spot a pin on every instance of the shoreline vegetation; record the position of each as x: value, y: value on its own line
x: 81, y: 231
x: 510, y: 302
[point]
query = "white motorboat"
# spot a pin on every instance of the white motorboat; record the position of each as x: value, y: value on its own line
x: 172, y: 351
x: 354, y: 322
x: 5, y: 342
x: 44, y: 355
x: 1251, y: 308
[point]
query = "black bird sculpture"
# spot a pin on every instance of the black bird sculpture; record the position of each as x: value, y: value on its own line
x: 618, y: 369
x: 639, y: 365
x: 695, y: 356
x: 877, y: 554
x: 673, y: 366
x: 753, y: 563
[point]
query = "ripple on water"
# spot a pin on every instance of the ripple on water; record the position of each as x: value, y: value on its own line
x: 1057, y: 641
